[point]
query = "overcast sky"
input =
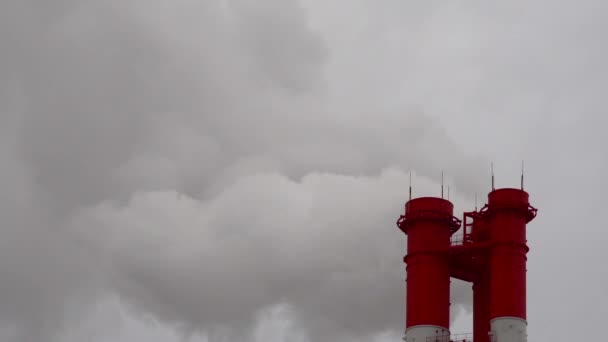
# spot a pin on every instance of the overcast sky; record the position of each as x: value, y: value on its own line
x: 232, y: 170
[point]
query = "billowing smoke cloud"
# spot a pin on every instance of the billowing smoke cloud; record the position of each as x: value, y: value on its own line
x: 199, y: 161
x: 326, y: 245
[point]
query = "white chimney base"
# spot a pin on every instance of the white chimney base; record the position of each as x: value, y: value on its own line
x: 427, y: 333
x: 508, y: 329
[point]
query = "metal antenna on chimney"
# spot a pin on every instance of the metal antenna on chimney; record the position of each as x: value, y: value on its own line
x: 448, y: 192
x: 522, y: 174
x: 475, y: 201
x: 442, y: 184
x: 492, y: 170
x: 410, y: 185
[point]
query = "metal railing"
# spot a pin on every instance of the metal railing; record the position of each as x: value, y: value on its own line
x: 451, y: 338
x: 457, y: 240
x: 405, y: 220
x: 460, y: 239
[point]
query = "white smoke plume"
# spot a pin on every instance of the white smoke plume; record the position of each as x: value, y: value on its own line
x: 203, y: 162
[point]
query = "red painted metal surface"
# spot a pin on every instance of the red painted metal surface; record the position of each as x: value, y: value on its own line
x: 479, y: 237
x: 429, y: 223
x: 490, y: 253
x: 508, y: 214
x: 481, y: 307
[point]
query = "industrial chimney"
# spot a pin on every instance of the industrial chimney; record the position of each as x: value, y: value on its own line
x: 490, y: 253
x: 429, y: 224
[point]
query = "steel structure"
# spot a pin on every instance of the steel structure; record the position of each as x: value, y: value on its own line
x: 490, y: 253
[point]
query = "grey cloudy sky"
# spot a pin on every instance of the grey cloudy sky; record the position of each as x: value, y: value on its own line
x: 232, y: 170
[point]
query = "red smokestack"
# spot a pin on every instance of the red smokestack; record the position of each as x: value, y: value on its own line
x: 508, y: 213
x: 491, y: 254
x: 429, y: 224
